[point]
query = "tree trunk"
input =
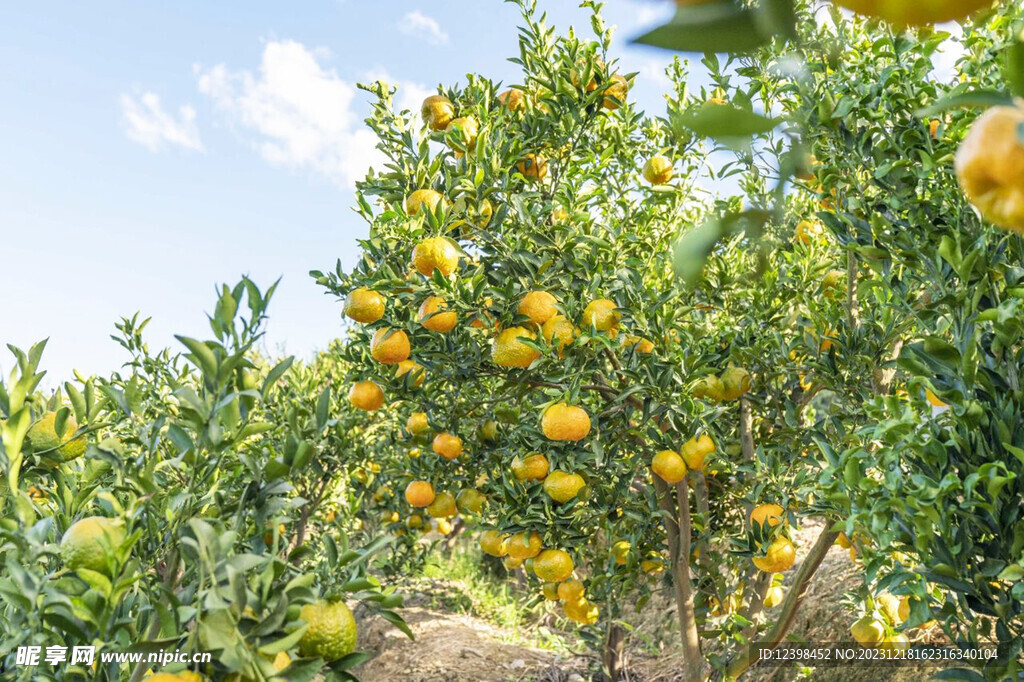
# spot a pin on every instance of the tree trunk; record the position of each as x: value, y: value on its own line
x: 614, y: 655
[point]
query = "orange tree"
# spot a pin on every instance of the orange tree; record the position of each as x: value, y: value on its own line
x: 933, y: 499
x: 929, y: 499
x: 166, y: 507
x: 515, y: 305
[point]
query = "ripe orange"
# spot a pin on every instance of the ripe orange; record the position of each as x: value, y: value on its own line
x: 669, y: 466
x: 990, y: 166
x: 437, y: 112
x: 389, y: 346
x: 539, y: 306
x: 640, y: 344
x: 658, y: 170
x: 419, y: 493
x: 366, y: 395
x: 770, y: 514
x: 447, y: 445
x: 868, y: 631
x: 735, y: 383
x: 414, y: 369
x: 508, y: 351
x: 560, y: 331
x: 553, y: 565
x: 443, y: 506
x: 435, y: 253
x: 581, y: 611
x: 710, y: 387
x: 780, y: 556
x: 417, y: 423
x: 462, y: 133
x: 562, y: 487
x: 525, y: 545
x: 620, y: 550
x: 364, y: 305
x: 571, y: 590
x: 513, y: 99
x: 696, y: 450
x: 423, y: 198
x: 615, y: 95
x: 533, y: 167
x: 532, y: 468
x: 494, y: 543
x: 565, y: 422
x: 808, y: 231
x: 435, y: 316
x: 602, y: 315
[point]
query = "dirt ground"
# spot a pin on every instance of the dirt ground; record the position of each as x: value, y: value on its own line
x: 457, y: 647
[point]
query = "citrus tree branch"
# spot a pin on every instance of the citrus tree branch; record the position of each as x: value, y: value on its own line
x: 790, y: 606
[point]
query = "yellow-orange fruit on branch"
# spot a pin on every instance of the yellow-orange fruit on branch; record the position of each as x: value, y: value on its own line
x: 990, y: 166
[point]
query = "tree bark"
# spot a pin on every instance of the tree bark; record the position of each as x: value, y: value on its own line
x: 694, y: 660
x: 614, y: 654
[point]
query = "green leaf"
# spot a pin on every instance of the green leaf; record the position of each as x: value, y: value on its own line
x: 714, y: 27
x: 1013, y: 65
x: 693, y: 248
x: 284, y: 643
x: 981, y: 99
x: 723, y: 121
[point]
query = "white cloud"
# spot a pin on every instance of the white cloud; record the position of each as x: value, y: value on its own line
x: 653, y: 70
x: 299, y: 112
x: 418, y: 24
x: 147, y: 123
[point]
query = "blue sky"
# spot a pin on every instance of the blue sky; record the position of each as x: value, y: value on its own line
x: 150, y: 150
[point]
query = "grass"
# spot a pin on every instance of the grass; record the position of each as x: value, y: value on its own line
x: 500, y: 601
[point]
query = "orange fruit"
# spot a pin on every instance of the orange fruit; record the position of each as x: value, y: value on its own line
x: 533, y: 167
x: 539, y: 306
x: 696, y: 450
x: 669, y: 466
x: 435, y: 253
x: 562, y: 487
x: 565, y: 422
x: 437, y: 112
x: 550, y: 591
x: 640, y: 344
x: 443, y: 506
x: 553, y: 565
x: 417, y: 423
x: 602, y: 315
x: 389, y: 346
x: 462, y: 133
x: 419, y: 493
x: 658, y: 170
x: 447, y: 445
x: 558, y: 330
x: 808, y: 231
x: 571, y: 590
x: 435, y: 316
x: 770, y: 514
x: 735, y: 383
x: 494, y: 543
x: 532, y: 468
x: 780, y: 556
x: 990, y: 166
x: 470, y: 501
x: 615, y: 94
x: 620, y: 550
x: 414, y: 369
x: 423, y: 198
x: 364, y: 305
x: 508, y: 351
x: 366, y: 395
x: 581, y: 611
x: 513, y: 99
x: 525, y: 545
x: 868, y: 631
